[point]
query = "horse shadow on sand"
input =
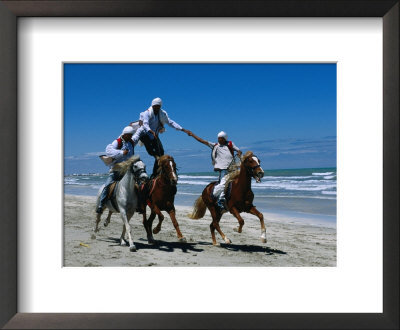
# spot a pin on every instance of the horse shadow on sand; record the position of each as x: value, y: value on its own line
x: 247, y: 248
x: 160, y: 245
x: 165, y: 246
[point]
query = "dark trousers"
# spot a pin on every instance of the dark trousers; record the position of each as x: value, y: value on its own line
x: 154, y: 148
x: 112, y: 177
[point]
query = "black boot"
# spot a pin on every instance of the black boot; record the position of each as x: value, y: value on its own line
x: 155, y: 169
x: 99, y: 210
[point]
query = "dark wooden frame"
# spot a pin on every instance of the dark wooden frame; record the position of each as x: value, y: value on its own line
x: 9, y: 13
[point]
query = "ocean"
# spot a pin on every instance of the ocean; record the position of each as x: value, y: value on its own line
x: 298, y: 193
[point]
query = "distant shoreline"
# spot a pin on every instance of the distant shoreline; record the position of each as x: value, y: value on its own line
x: 215, y: 173
x: 307, y: 194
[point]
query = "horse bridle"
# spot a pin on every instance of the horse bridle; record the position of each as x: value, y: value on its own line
x: 252, y: 168
x: 138, y: 173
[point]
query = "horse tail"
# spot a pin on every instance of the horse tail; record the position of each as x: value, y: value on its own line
x: 199, y: 209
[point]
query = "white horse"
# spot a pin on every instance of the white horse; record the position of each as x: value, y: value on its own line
x: 126, y: 199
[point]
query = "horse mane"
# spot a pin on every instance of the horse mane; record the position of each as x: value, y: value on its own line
x: 164, y: 158
x: 248, y: 154
x: 123, y: 167
x: 234, y: 174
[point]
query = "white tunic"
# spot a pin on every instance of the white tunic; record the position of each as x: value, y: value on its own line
x: 152, y: 121
x: 118, y: 154
x: 223, y: 156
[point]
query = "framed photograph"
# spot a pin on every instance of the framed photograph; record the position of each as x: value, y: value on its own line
x: 296, y: 74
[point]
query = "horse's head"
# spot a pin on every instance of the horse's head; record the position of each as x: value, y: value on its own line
x: 139, y: 171
x: 252, y: 165
x: 167, y: 168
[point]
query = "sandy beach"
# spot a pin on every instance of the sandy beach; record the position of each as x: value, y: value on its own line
x: 291, y: 243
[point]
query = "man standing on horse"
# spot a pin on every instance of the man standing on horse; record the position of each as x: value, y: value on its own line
x: 152, y: 123
x: 222, y: 156
x: 119, y: 150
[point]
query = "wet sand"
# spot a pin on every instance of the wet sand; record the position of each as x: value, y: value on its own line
x: 290, y: 242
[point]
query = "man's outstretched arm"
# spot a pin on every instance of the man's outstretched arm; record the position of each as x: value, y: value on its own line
x: 198, y: 138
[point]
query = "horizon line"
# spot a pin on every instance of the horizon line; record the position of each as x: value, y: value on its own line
x: 271, y: 169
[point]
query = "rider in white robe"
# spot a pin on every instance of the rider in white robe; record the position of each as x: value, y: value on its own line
x: 223, y: 155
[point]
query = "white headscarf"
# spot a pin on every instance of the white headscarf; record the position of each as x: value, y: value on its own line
x: 156, y: 101
x: 128, y: 130
x: 223, y: 135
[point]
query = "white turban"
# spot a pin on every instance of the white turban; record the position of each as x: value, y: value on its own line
x: 128, y: 130
x: 223, y: 135
x: 156, y: 101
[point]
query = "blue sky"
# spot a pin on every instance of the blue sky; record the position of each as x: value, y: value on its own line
x: 285, y: 113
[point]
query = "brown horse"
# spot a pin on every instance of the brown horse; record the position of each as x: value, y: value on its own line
x: 160, y: 197
x: 241, y: 198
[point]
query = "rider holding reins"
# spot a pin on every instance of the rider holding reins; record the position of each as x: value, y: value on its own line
x: 222, y: 157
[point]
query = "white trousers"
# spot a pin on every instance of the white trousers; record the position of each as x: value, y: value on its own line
x: 219, y: 189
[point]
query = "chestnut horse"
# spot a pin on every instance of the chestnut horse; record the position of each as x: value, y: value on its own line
x: 240, y: 200
x: 160, y: 197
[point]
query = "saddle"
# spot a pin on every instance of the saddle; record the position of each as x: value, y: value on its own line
x: 113, y: 191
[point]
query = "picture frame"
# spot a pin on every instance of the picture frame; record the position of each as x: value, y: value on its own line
x: 9, y: 13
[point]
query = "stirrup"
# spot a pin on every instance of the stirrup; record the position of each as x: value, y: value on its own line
x: 221, y: 204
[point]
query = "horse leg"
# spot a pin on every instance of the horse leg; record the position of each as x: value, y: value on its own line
x: 108, y: 219
x: 144, y: 216
x: 216, y: 216
x: 225, y: 238
x: 212, y: 228
x: 125, y: 219
x: 176, y: 225
x: 239, y: 218
x: 157, y: 229
x: 258, y: 214
x: 148, y: 223
x: 96, y: 228
x: 122, y: 238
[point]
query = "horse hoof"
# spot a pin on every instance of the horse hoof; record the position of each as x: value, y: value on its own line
x: 216, y: 244
x: 237, y: 229
x: 263, y: 237
x: 156, y: 230
x: 151, y: 241
x: 227, y: 240
x: 105, y: 224
x: 182, y: 240
x: 93, y: 236
x: 132, y: 248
